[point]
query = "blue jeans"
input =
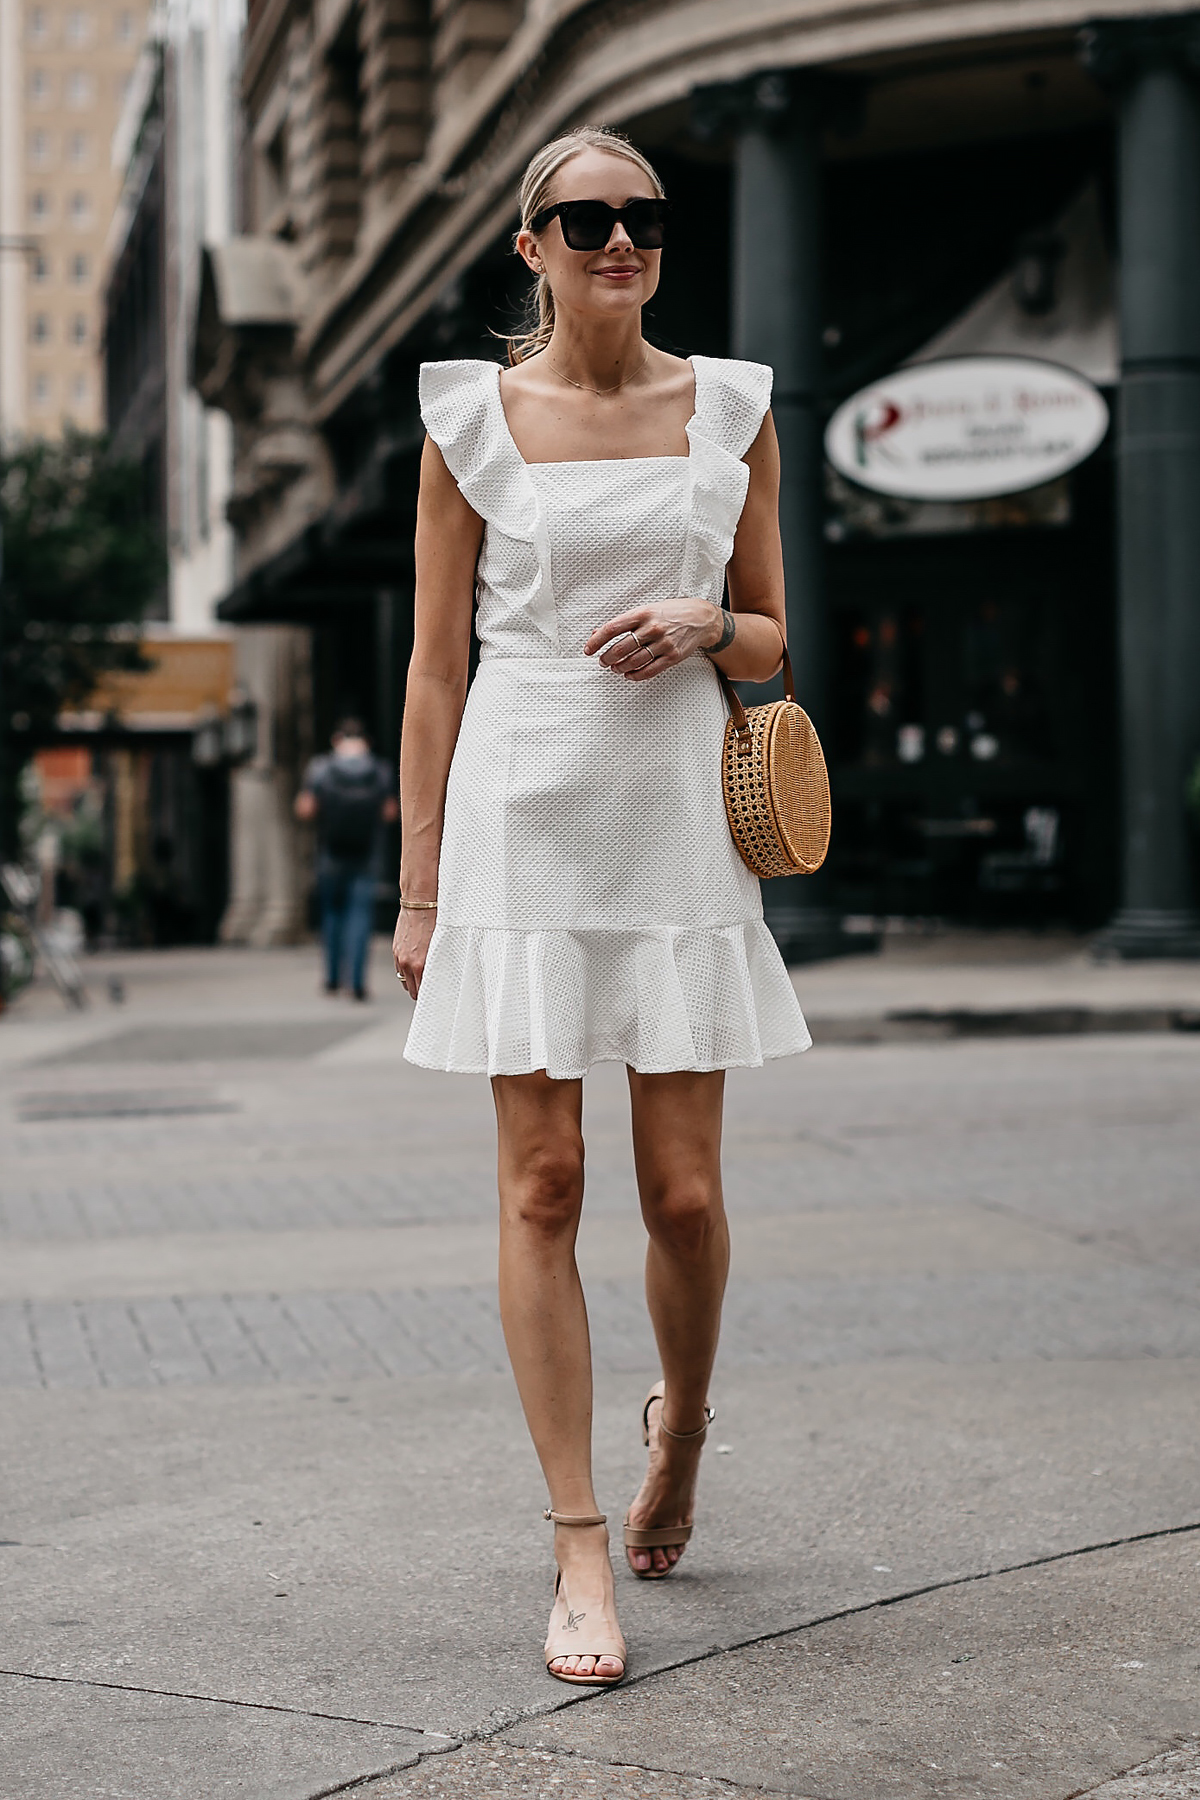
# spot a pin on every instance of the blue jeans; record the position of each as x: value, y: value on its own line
x: 347, y: 895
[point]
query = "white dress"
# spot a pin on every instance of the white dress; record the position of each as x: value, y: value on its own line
x: 592, y: 905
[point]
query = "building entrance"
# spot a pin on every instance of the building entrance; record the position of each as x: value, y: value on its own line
x: 972, y: 740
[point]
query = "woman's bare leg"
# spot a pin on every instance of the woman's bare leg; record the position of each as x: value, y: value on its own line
x: 677, y: 1152
x: 546, y: 1328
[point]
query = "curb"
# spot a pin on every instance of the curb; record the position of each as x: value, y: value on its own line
x: 930, y: 1024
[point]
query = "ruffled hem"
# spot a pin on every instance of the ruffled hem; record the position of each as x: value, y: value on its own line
x: 499, y: 1002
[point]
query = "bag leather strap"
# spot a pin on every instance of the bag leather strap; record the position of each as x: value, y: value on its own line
x: 737, y: 711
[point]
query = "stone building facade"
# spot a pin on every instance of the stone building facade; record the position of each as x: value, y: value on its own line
x: 849, y: 180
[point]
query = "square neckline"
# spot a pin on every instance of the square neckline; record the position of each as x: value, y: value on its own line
x: 593, y: 462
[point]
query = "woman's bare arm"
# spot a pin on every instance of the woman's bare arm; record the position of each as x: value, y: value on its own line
x: 747, y: 640
x: 755, y: 573
x: 449, y: 534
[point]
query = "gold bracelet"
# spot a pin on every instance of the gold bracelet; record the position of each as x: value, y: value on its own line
x: 417, y: 905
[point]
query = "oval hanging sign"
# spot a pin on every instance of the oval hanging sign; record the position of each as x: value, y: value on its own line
x: 968, y: 428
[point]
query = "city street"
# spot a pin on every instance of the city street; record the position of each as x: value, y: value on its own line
x: 407, y: 413
x: 270, y: 1519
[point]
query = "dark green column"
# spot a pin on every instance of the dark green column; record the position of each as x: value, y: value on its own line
x: 1152, y: 67
x: 387, y: 712
x: 777, y: 320
x: 387, y: 679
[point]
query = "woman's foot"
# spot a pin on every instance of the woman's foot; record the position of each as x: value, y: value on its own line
x: 585, y: 1609
x: 668, y: 1492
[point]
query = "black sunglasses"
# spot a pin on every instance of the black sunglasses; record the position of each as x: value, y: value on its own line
x: 588, y: 224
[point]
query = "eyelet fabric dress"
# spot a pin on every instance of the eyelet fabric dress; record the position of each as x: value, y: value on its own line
x: 592, y: 904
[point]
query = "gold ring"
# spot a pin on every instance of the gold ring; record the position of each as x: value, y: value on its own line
x: 637, y: 640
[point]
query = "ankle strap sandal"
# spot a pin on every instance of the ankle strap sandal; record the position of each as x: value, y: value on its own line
x: 662, y: 1537
x: 680, y: 1437
x: 563, y: 1639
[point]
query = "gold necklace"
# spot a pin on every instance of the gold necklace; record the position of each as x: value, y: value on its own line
x: 600, y: 392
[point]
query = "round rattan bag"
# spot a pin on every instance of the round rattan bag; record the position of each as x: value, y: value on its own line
x: 776, y: 784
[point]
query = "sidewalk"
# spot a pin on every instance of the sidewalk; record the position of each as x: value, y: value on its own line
x: 270, y: 1518
x: 948, y: 983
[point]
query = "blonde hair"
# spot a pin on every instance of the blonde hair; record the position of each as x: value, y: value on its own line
x: 536, y: 193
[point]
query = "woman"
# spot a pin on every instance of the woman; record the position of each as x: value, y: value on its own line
x: 570, y: 889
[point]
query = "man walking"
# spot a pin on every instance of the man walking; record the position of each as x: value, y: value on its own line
x: 351, y: 794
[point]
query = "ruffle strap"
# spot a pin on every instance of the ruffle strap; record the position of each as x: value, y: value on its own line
x: 464, y: 415
x: 732, y: 398
x: 731, y: 401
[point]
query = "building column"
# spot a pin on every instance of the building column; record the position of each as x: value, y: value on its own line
x: 1154, y: 67
x: 269, y: 876
x: 776, y: 255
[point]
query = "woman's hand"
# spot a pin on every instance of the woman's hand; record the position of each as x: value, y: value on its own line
x: 642, y: 643
x: 410, y: 947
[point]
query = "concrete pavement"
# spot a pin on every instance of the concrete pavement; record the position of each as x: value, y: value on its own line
x: 270, y: 1519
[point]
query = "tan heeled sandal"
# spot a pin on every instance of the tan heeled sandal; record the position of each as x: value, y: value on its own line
x: 661, y: 1537
x: 565, y: 1641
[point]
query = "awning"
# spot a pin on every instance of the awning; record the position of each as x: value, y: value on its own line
x: 316, y: 577
x: 363, y: 545
x: 1057, y: 301
x: 189, y: 680
x: 249, y: 290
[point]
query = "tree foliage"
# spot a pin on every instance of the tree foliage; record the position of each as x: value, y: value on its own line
x: 81, y: 564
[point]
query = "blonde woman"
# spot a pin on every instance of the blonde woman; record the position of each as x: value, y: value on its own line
x: 570, y: 889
